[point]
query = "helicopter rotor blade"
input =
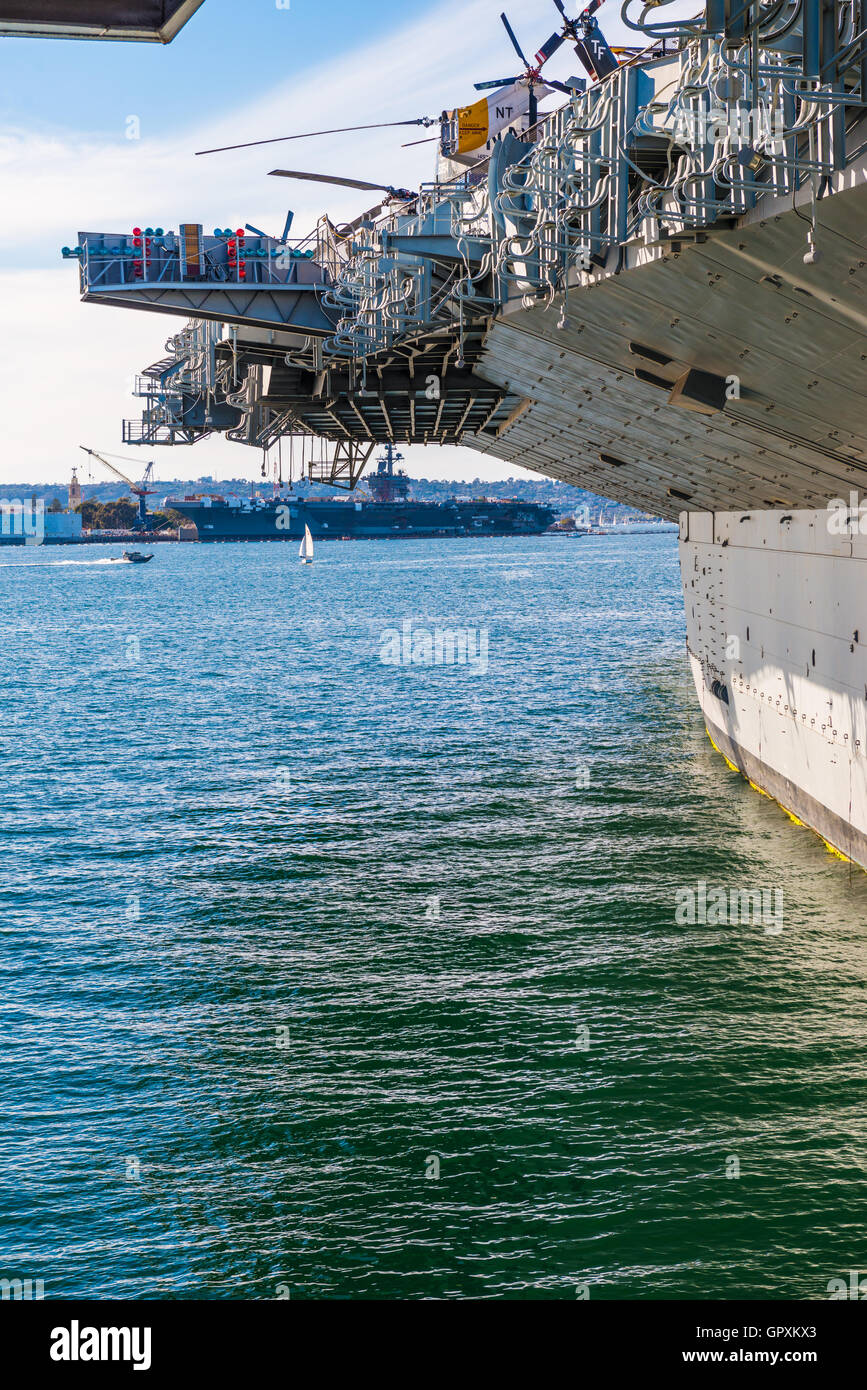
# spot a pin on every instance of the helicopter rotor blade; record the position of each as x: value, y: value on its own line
x: 591, y: 9
x: 549, y: 48
x: 503, y: 82
x: 570, y: 26
x: 331, y: 178
x: 310, y: 134
x: 517, y: 47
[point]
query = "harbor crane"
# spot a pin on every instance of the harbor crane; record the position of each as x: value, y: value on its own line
x: 139, y: 490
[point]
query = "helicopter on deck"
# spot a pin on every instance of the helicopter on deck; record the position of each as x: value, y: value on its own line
x: 466, y: 132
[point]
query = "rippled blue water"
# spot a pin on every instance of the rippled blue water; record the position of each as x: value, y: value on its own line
x: 336, y: 978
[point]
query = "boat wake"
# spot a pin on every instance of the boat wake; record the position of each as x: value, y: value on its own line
x: 55, y: 564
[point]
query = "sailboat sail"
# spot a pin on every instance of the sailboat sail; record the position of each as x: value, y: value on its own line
x: 306, y: 551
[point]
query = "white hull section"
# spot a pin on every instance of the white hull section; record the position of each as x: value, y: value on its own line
x: 776, y: 614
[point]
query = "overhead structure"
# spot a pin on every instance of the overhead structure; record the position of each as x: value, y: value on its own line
x: 143, y: 21
x: 657, y: 292
x: 530, y: 309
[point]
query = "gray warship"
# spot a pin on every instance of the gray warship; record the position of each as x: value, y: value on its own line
x: 384, y: 512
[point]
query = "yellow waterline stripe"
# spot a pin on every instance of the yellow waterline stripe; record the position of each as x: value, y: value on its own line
x: 832, y: 849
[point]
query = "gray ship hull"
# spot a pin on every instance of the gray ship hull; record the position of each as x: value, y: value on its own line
x: 285, y: 520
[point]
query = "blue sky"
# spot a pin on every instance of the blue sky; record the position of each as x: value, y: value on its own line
x: 238, y: 71
x: 228, y: 52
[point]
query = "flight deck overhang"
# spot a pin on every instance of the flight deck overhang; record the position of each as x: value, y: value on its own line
x: 142, y: 21
x: 293, y: 307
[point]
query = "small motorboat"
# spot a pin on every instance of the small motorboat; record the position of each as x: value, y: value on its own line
x: 135, y: 557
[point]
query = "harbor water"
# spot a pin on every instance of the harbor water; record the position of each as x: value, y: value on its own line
x: 327, y: 972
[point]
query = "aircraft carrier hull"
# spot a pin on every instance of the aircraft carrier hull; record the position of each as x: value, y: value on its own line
x: 777, y: 642
x: 332, y: 520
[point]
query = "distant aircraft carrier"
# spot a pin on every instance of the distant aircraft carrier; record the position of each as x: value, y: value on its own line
x: 387, y: 512
x: 657, y: 293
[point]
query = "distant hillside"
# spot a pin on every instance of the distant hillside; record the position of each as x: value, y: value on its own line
x: 563, y: 497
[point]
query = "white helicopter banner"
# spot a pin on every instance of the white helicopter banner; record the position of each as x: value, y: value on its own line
x: 469, y: 128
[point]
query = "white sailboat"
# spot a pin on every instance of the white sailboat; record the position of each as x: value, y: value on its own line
x: 306, y: 551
